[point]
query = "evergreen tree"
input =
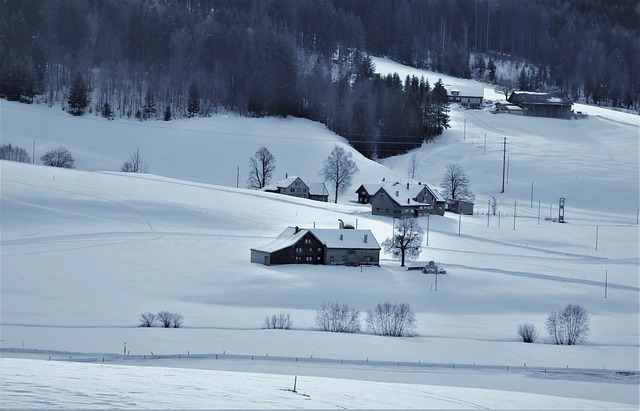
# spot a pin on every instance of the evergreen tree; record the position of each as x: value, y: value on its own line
x: 523, y: 81
x: 193, y: 103
x: 78, y: 98
x: 149, y: 105
x: 491, y: 68
x: 106, y: 111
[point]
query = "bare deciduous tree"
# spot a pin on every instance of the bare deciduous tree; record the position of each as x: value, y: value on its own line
x: 339, y: 318
x: 261, y: 167
x: 406, y: 241
x: 148, y: 320
x: 570, y: 326
x: 58, y: 157
x: 9, y: 152
x: 339, y: 169
x: 413, y: 166
x: 528, y: 332
x: 280, y: 321
x: 177, y: 320
x: 455, y: 184
x: 165, y: 318
x: 135, y: 164
x: 393, y: 320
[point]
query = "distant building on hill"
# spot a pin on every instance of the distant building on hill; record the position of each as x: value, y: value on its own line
x: 291, y: 186
x: 410, y: 200
x: 318, y: 192
x: 466, y: 96
x: 319, y: 246
x: 460, y: 207
x: 555, y: 105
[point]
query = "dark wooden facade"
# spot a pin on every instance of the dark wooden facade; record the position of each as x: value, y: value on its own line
x: 554, y: 105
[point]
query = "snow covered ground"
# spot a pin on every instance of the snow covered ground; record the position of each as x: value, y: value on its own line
x: 86, y: 251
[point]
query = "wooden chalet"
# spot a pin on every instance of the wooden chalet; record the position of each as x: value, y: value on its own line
x: 291, y: 186
x: 319, y: 246
x: 399, y: 201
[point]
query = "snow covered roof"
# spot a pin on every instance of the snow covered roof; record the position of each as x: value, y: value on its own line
x: 465, y: 91
x: 330, y: 237
x: 287, y: 238
x: 284, y: 183
x: 346, y: 238
x: 405, y: 194
x: 531, y: 97
x: 318, y: 189
x: 435, y: 193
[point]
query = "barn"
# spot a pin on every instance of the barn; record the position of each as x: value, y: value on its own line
x: 555, y: 105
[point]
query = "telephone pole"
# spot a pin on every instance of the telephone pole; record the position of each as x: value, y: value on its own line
x: 504, y: 164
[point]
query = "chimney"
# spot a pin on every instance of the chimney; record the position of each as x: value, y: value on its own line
x: 365, y: 238
x: 397, y: 193
x: 297, y: 230
x: 407, y: 186
x: 341, y: 236
x: 408, y: 201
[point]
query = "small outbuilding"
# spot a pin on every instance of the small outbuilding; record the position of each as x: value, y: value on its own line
x: 366, y: 191
x: 461, y: 207
x: 318, y: 192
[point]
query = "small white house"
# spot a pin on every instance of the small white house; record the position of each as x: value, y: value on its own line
x: 466, y: 96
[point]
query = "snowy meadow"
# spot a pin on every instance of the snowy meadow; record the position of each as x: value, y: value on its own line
x: 85, y: 252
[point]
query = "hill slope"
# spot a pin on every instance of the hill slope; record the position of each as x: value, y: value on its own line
x: 84, y: 253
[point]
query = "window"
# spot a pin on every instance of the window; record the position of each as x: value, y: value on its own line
x: 307, y: 241
x: 299, y: 250
x: 309, y: 259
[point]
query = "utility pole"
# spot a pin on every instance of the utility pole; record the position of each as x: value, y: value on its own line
x: 238, y: 177
x: 488, y: 211
x: 428, y: 219
x: 538, y: 212
x: 504, y: 157
x: 531, y: 195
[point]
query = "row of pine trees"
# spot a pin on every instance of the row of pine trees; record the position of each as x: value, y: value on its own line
x: 165, y: 59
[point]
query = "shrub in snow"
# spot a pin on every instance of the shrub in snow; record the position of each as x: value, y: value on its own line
x: 528, y: 332
x: 280, y: 321
x: 393, y: 320
x: 168, y: 319
x: 147, y: 320
x: 338, y: 318
x: 570, y: 326
x: 58, y: 157
x: 9, y: 152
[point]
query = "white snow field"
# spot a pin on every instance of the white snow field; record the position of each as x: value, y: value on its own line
x: 85, y: 252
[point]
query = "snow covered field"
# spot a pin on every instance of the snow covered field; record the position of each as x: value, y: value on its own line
x: 86, y: 251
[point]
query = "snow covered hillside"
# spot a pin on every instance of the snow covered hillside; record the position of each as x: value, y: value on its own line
x: 85, y: 252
